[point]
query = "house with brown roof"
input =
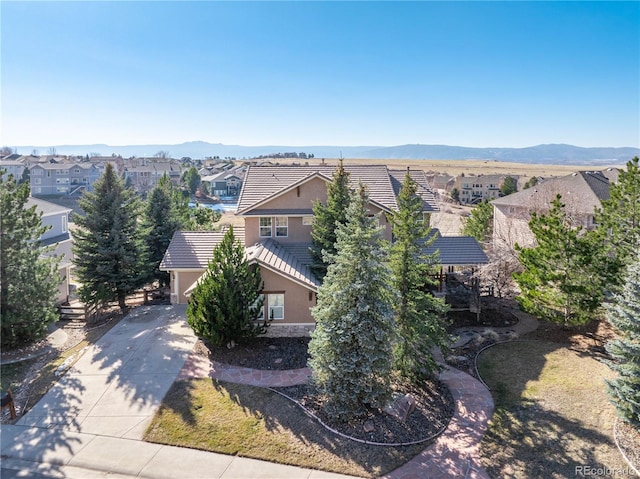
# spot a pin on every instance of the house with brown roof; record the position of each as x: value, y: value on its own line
x: 581, y: 193
x: 276, y: 203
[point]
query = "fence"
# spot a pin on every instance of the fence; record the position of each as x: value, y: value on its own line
x: 81, y: 311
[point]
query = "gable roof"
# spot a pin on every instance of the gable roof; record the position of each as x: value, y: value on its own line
x: 264, y: 183
x: 456, y: 250
x: 581, y: 192
x: 424, y: 190
x: 194, y: 249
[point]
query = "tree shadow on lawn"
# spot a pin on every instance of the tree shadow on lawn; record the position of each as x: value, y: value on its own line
x: 271, y: 428
x: 548, y: 420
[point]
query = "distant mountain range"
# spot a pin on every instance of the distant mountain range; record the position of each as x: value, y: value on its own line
x: 554, y: 153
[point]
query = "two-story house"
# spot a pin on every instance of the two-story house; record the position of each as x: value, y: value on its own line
x: 56, y: 240
x: 277, y: 206
x: 12, y: 167
x: 474, y: 189
x: 62, y: 178
x: 581, y: 193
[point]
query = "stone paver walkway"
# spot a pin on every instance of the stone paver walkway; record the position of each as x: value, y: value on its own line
x: 454, y: 454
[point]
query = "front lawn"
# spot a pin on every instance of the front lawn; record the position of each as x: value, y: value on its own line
x: 259, y: 423
x: 552, y: 412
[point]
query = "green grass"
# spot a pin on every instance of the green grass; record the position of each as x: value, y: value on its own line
x: 258, y: 423
x: 552, y: 411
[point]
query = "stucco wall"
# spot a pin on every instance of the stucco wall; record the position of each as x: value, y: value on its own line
x: 180, y: 281
x: 296, y: 298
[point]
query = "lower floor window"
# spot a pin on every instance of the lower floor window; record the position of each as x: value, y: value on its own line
x: 275, y: 303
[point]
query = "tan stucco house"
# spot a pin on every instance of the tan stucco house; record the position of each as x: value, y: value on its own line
x: 582, y: 192
x: 276, y: 203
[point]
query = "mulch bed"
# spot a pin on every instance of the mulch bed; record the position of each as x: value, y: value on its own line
x: 433, y: 411
x: 434, y: 404
x: 259, y: 353
x: 492, y: 314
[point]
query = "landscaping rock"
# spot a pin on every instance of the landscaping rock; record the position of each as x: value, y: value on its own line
x: 401, y: 407
x: 369, y: 426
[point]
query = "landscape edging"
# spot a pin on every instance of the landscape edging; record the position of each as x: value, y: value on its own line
x: 362, y: 441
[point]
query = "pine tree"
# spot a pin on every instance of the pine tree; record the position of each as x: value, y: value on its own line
x: 624, y: 315
x: 619, y: 216
x: 110, y: 255
x: 562, y: 276
x: 509, y: 186
x: 326, y: 220
x: 227, y: 303
x: 480, y: 223
x: 161, y: 222
x: 350, y: 350
x: 418, y: 314
x: 28, y: 281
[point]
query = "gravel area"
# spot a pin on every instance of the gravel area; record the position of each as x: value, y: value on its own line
x: 629, y: 442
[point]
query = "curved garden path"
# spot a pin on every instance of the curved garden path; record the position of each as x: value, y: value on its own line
x: 455, y: 452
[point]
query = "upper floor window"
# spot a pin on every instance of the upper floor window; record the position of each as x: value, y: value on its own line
x: 64, y: 223
x: 76, y: 170
x: 36, y: 172
x: 265, y: 226
x: 282, y: 226
x: 307, y: 220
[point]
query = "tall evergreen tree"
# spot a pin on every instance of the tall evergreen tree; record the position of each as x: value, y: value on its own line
x: 327, y: 218
x: 624, y: 315
x: 561, y: 277
x: 418, y: 314
x: 480, y: 223
x: 191, y: 180
x: 509, y: 185
x: 160, y: 222
x: 619, y: 216
x: 350, y: 350
x: 28, y: 281
x: 227, y: 304
x: 110, y: 254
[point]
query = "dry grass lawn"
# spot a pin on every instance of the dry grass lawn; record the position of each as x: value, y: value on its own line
x: 468, y: 167
x: 552, y: 411
x: 258, y: 423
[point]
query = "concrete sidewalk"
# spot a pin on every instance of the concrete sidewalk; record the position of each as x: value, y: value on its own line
x: 90, y: 424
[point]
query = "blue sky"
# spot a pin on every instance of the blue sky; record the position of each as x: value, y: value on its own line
x: 509, y: 74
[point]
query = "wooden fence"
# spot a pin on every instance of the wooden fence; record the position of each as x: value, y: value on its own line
x: 81, y: 311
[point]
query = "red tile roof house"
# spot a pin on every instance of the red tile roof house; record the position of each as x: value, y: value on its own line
x: 276, y: 203
x: 581, y: 192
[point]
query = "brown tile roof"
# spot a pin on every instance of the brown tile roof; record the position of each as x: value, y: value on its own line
x: 262, y: 183
x: 194, y: 249
x: 581, y: 192
x: 424, y: 189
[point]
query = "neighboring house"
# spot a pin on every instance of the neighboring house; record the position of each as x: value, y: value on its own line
x: 56, y: 239
x: 145, y: 176
x: 224, y: 183
x: 277, y: 206
x: 581, y: 192
x: 12, y: 167
x: 474, y: 189
x: 62, y: 178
